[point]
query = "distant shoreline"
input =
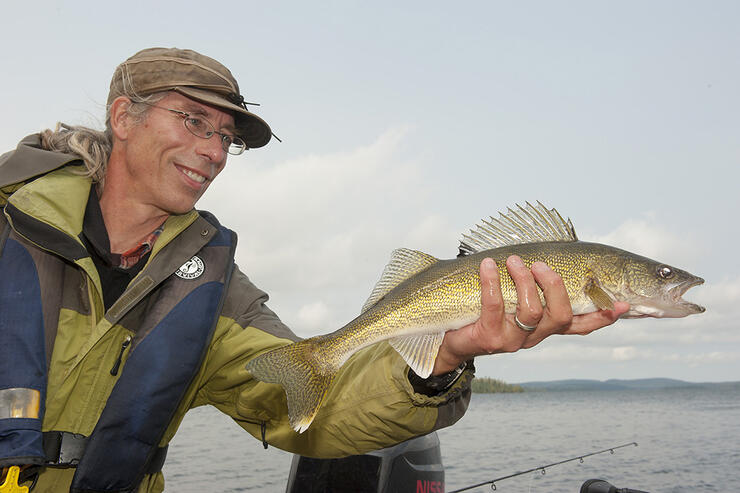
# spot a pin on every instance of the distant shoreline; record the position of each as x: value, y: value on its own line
x: 487, y: 385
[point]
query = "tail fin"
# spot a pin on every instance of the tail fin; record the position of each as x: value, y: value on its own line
x: 303, y: 375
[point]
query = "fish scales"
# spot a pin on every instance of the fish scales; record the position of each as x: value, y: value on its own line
x: 419, y: 298
x: 440, y: 297
x: 447, y: 294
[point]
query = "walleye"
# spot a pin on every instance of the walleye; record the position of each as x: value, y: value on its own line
x: 420, y: 297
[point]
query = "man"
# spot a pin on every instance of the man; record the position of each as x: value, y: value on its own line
x: 121, y: 308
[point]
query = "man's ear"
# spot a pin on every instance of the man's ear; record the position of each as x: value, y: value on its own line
x: 120, y: 120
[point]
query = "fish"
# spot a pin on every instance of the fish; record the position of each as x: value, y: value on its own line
x: 419, y: 297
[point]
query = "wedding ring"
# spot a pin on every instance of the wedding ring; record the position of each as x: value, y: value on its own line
x: 523, y: 326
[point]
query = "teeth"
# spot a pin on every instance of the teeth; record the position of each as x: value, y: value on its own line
x: 194, y: 176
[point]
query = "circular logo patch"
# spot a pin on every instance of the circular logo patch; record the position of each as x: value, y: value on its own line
x: 191, y: 269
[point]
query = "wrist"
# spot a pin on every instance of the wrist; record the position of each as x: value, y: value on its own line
x: 436, y: 384
x: 447, y: 362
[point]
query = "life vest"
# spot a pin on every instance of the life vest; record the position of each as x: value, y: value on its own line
x: 156, y: 376
x: 22, y: 356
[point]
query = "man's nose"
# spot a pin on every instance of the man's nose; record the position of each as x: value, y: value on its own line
x: 212, y: 149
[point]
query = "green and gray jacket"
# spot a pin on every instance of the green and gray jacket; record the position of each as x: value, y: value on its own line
x: 176, y: 339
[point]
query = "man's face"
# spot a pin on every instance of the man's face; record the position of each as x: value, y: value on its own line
x: 168, y: 167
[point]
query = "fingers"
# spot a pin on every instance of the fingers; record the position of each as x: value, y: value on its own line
x: 484, y: 336
x: 585, y: 324
x: 558, y: 317
x: 529, y: 307
x: 496, y: 332
x: 492, y: 304
x: 490, y: 281
x: 558, y: 312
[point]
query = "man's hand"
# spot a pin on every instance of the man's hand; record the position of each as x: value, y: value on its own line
x: 496, y: 332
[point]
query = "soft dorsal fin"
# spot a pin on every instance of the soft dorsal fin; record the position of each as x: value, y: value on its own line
x: 530, y: 224
x: 404, y: 263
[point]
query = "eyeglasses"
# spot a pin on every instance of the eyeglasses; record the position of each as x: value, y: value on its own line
x: 200, y: 127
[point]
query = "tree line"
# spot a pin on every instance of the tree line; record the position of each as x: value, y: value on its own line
x: 485, y: 385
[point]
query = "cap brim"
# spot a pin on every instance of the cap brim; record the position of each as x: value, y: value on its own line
x: 252, y: 129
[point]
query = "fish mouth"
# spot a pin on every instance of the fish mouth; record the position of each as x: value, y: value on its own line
x: 669, y: 305
x: 676, y: 293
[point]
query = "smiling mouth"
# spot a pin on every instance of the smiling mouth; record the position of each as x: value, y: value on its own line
x: 196, y: 177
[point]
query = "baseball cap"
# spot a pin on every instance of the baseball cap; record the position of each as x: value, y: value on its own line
x: 194, y: 75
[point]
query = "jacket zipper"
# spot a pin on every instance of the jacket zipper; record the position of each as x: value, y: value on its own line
x: 117, y: 364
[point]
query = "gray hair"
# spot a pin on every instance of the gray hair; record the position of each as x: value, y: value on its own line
x: 92, y: 146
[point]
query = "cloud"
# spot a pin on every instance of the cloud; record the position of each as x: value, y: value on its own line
x: 647, y: 237
x: 572, y: 352
x: 576, y: 352
x: 314, y: 316
x: 316, y: 231
x: 624, y: 353
x: 719, y: 324
x: 696, y: 359
x: 721, y: 298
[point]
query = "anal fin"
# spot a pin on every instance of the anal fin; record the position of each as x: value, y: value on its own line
x: 419, y: 351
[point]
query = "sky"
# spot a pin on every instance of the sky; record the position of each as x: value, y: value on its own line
x: 405, y: 123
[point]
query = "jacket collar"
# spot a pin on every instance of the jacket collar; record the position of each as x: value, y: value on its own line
x: 28, y: 160
x: 58, y: 199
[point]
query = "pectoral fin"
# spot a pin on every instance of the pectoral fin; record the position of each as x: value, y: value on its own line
x: 598, y: 296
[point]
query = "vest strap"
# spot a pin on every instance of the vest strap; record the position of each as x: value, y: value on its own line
x: 64, y: 449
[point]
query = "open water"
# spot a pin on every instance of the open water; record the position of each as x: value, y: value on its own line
x: 688, y: 441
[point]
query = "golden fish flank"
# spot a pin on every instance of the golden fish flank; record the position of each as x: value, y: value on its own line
x: 420, y: 297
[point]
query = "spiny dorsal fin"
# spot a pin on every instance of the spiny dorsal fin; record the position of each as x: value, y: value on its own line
x: 419, y: 351
x: 530, y: 224
x: 404, y: 263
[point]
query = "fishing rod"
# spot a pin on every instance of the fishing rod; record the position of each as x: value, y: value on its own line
x: 493, y: 482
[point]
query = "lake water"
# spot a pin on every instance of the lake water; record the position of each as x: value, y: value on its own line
x: 689, y: 441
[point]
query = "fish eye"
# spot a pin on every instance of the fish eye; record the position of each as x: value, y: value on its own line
x: 665, y: 272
